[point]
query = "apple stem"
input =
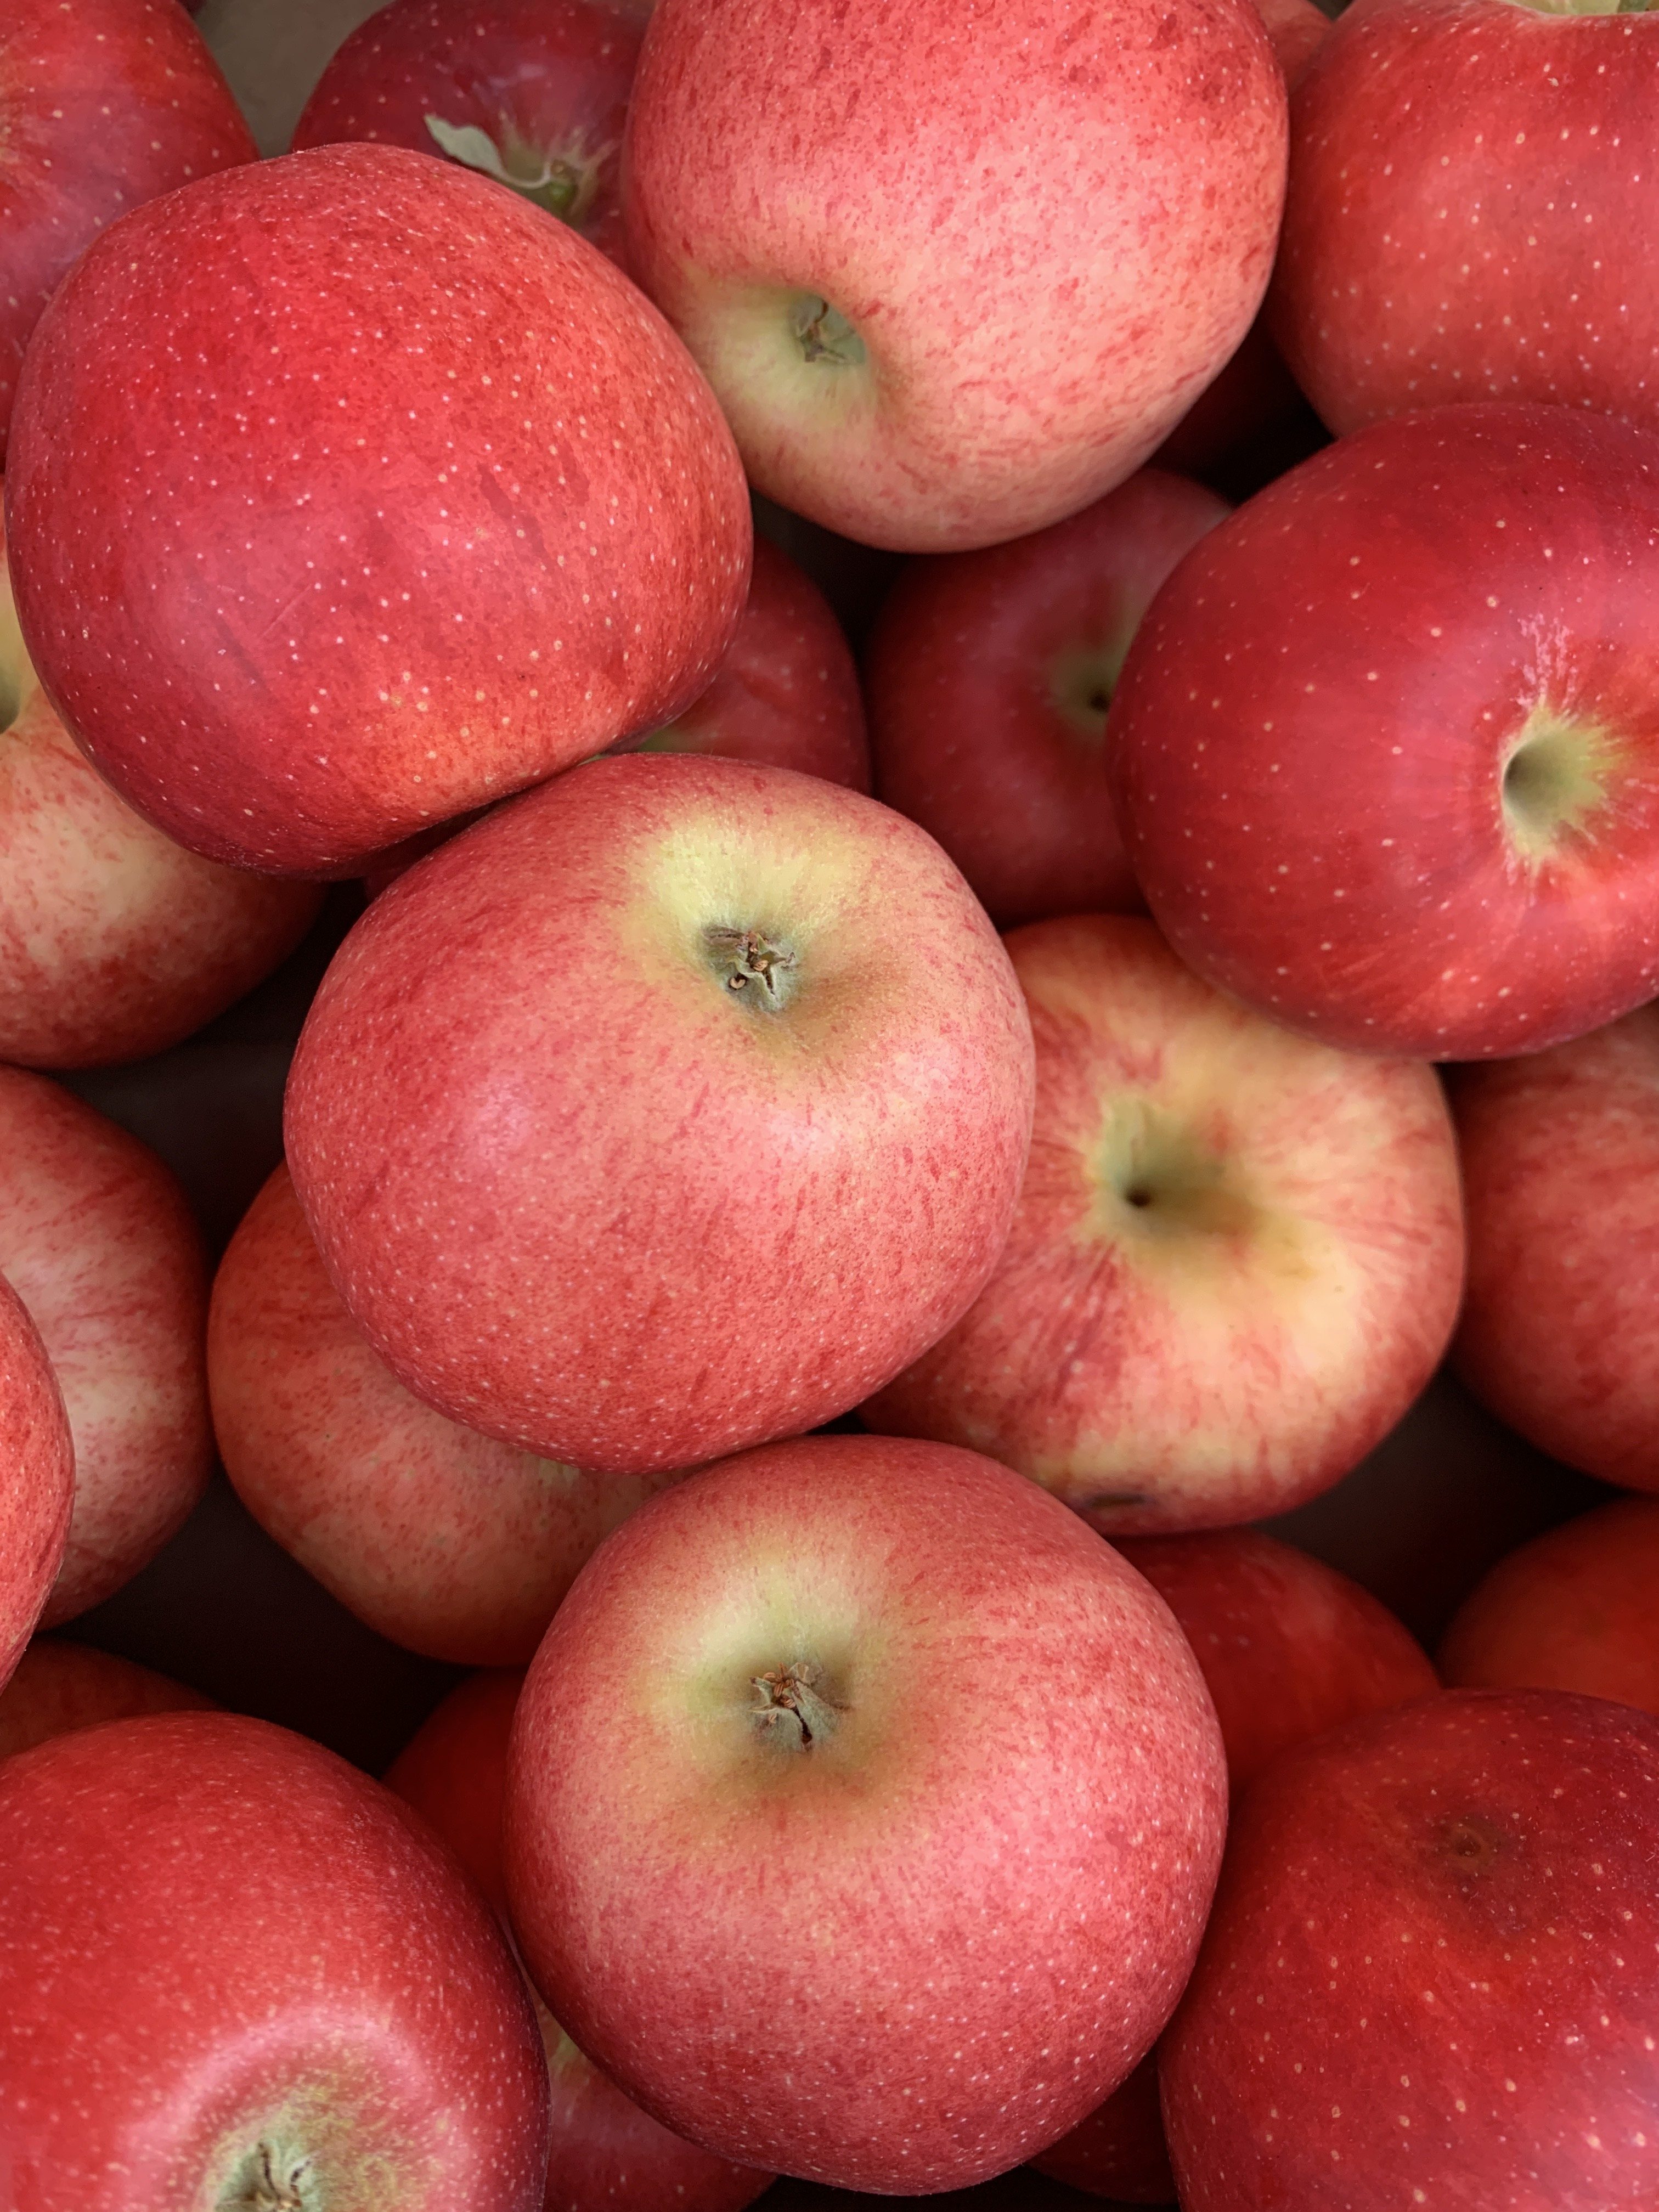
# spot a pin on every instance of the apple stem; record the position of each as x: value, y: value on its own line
x: 790, y: 1692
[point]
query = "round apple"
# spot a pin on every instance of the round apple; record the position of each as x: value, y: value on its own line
x: 39, y: 1455
x: 59, y: 1686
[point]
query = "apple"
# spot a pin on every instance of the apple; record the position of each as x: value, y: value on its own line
x: 59, y: 1686
x: 938, y: 320
x: 102, y: 104
x: 1357, y: 791
x: 1236, y: 1259
x: 1572, y: 1610
x: 1461, y: 218
x: 1432, y: 1970
x: 672, y: 1108
x: 399, y: 495
x: 97, y: 1239
x: 38, y: 1457
x: 236, y: 1972
x: 533, y: 93
x: 1561, y: 1158
x: 1118, y: 2150
x: 442, y: 1539
x: 607, y: 2155
x: 988, y: 677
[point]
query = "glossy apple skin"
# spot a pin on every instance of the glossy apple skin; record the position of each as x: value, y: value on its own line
x: 39, y: 1460
x: 547, y: 81
x: 1309, y: 743
x: 581, y: 1194
x: 1431, y: 253
x: 58, y: 1687
x: 1430, y: 1966
x: 329, y: 1987
x: 443, y: 1540
x: 1572, y: 1610
x: 989, y: 675
x: 97, y: 1239
x: 1235, y: 1262
x: 973, y: 1913
x: 607, y: 2155
x: 1560, y: 1160
x: 1040, y: 284
x: 102, y: 104
x: 520, y: 529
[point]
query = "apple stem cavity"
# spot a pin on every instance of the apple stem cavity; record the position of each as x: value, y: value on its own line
x: 824, y: 335
x: 745, y: 959
x: 268, y: 2190
x: 791, y: 1710
x: 563, y: 186
x: 1554, y: 783
x: 1081, y: 682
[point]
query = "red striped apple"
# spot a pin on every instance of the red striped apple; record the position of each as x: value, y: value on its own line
x: 59, y: 1686
x: 39, y: 1455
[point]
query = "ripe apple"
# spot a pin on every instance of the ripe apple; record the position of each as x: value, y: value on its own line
x: 236, y: 1972
x: 989, y: 675
x: 1119, y: 2150
x: 1560, y: 1331
x: 1432, y: 1970
x: 442, y: 1539
x: 1386, y: 750
x: 533, y: 93
x: 97, y: 1239
x: 400, y: 496
x: 1235, y: 1262
x: 672, y: 1108
x: 936, y: 322
x: 59, y: 1686
x: 102, y: 104
x: 1461, y: 218
x: 861, y: 1766
x: 606, y: 2155
x: 38, y: 1457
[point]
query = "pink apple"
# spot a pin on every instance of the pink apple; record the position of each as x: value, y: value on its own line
x: 1560, y: 1334
x: 1463, y: 179
x: 441, y: 1538
x: 950, y: 288
x: 59, y: 1686
x: 234, y: 1971
x: 1572, y: 1610
x: 989, y: 675
x: 399, y: 495
x: 672, y: 1108
x: 102, y: 104
x: 1359, y: 789
x: 533, y: 93
x: 98, y: 1240
x: 1432, y: 1970
x: 607, y: 2155
x: 39, y: 1457
x: 1236, y: 1259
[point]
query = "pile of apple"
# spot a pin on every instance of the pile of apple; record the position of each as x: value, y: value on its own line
x: 820, y: 1198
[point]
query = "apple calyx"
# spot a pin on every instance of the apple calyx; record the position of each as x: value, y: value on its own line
x: 744, y: 958
x: 1081, y: 682
x: 1473, y: 1846
x: 1151, y: 1164
x: 824, y: 333
x: 563, y: 183
x: 275, y: 2184
x: 790, y: 1709
x: 1553, y: 782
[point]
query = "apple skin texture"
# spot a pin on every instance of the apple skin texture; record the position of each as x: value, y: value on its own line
x: 1560, y: 1334
x: 102, y: 103
x: 1385, y: 755
x: 1430, y: 1974
x: 1235, y: 1262
x: 327, y: 1987
x: 1464, y: 216
x: 441, y: 1539
x: 399, y: 494
x: 38, y: 1455
x: 947, y: 1926
x: 59, y: 1686
x: 1043, y: 260
x: 581, y: 1193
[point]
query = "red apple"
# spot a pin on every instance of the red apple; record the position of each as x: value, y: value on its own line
x: 989, y: 675
x: 607, y: 2155
x: 102, y: 104
x: 441, y: 1539
x: 1118, y: 2151
x: 399, y: 495
x: 1461, y: 219
x: 39, y: 1457
x: 97, y: 1239
x: 59, y: 1686
x: 1561, y: 1331
x: 1235, y: 1262
x: 862, y: 1812
x: 672, y: 1108
x: 234, y: 1971
x: 1386, y: 750
x: 939, y: 318
x: 1575, y: 1609
x: 1432, y: 1976
x: 533, y: 93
